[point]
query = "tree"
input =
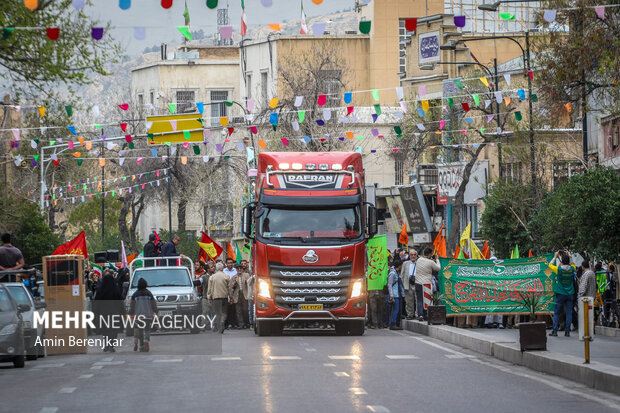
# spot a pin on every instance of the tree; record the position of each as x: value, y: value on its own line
x: 583, y: 215
x: 505, y: 221
x: 34, y: 65
x: 582, y: 61
x: 87, y: 217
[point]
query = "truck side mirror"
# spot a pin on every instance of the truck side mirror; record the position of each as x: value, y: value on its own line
x: 246, y: 223
x: 372, y: 225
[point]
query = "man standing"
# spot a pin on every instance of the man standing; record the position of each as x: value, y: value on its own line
x: 564, y: 289
x: 407, y: 275
x: 396, y: 293
x: 587, y: 284
x: 11, y: 258
x: 150, y: 251
x: 229, y: 270
x: 170, y: 250
x: 243, y: 279
x: 217, y: 294
x: 236, y: 300
x: 424, y: 276
x: 207, y: 311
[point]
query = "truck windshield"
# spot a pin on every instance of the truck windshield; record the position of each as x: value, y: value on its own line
x: 344, y: 223
x: 160, y: 277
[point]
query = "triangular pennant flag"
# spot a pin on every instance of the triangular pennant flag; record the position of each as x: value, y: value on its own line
x: 375, y: 94
x: 365, y: 27
x: 549, y: 15
x: 184, y: 30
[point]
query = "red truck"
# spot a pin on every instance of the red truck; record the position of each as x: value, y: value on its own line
x: 309, y: 223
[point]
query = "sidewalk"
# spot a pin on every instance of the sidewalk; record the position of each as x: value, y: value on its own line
x: 564, y: 356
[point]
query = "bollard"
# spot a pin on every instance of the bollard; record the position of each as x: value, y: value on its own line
x: 586, y: 329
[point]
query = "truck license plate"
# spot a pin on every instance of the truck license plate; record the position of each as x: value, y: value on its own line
x: 310, y: 307
x: 165, y: 313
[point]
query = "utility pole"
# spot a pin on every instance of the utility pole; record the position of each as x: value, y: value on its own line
x: 102, y: 194
x: 497, y: 115
x: 169, y: 197
x: 529, y: 86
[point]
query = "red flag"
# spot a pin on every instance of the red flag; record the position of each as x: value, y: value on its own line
x: 529, y: 254
x: 202, y: 255
x: 438, y: 238
x: 457, y: 251
x: 403, y: 238
x: 486, y: 251
x: 230, y: 252
x: 157, y: 239
x: 77, y: 246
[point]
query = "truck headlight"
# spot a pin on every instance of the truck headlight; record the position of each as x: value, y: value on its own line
x: 263, y: 289
x: 356, y: 291
x: 8, y: 329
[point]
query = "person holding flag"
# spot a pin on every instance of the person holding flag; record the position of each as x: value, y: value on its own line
x: 151, y: 250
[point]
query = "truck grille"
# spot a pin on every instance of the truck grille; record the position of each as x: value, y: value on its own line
x: 307, y: 285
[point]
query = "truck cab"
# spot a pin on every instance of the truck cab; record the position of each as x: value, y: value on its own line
x: 310, y: 223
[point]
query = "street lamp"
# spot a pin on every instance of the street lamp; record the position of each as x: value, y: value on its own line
x: 497, y: 113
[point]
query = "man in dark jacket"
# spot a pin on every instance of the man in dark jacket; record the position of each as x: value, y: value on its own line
x: 150, y: 250
x: 144, y: 306
x: 170, y: 250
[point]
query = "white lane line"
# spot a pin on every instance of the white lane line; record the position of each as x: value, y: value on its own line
x: 341, y: 374
x: 86, y: 376
x: 449, y: 350
x: 285, y: 357
x: 167, y: 361
x: 305, y: 344
x: 67, y: 390
x: 351, y: 357
x: 109, y: 363
x: 48, y: 410
x: 357, y: 390
x: 225, y: 358
x: 96, y: 367
x: 107, y: 359
x: 457, y: 356
x: 40, y: 366
x: 310, y: 349
x: 401, y: 357
x: 329, y: 365
x: 378, y: 409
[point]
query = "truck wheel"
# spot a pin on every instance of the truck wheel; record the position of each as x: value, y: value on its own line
x: 341, y: 328
x: 356, y: 328
x: 263, y: 328
x: 276, y: 328
x: 19, y: 362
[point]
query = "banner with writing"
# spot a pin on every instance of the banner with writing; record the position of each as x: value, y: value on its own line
x: 477, y: 287
x: 377, y: 263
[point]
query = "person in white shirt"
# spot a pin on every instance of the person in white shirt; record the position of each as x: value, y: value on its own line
x: 407, y: 274
x: 230, y: 270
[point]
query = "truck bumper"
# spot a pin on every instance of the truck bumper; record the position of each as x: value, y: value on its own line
x: 355, y: 309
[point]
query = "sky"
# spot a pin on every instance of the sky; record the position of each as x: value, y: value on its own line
x: 161, y: 23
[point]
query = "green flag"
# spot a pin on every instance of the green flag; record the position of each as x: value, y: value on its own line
x: 246, y: 248
x: 461, y: 255
x: 377, y: 263
x: 515, y: 252
x: 238, y: 253
x: 186, y: 15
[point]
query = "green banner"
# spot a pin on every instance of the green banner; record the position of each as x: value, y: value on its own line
x: 376, y: 276
x: 477, y: 287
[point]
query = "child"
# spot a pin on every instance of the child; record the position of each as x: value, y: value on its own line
x: 142, y: 304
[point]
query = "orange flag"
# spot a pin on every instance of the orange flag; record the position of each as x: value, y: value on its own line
x: 486, y: 251
x: 403, y: 238
x: 438, y: 239
x: 441, y: 250
x: 457, y: 251
x: 529, y: 254
x: 230, y: 252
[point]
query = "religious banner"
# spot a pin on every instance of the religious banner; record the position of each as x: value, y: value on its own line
x: 377, y: 263
x: 481, y: 287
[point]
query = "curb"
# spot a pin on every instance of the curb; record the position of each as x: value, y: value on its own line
x: 596, y: 375
x: 607, y: 331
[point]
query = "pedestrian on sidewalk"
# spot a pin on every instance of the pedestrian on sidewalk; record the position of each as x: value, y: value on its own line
x: 144, y: 308
x: 563, y: 287
x: 407, y: 275
x: 424, y: 276
x: 207, y: 311
x: 108, y: 305
x: 218, y: 295
x: 397, y: 292
x: 587, y: 284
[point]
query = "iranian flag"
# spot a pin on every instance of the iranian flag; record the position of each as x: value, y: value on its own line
x: 98, y: 270
x: 304, y: 25
x: 244, y: 22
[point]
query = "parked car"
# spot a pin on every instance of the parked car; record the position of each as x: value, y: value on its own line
x: 11, y: 329
x: 22, y: 296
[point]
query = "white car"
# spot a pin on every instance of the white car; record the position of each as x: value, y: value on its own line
x: 21, y: 295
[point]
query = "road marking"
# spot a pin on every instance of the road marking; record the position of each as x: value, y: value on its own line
x: 107, y: 359
x: 341, y: 374
x: 401, y: 356
x: 109, y: 363
x: 86, y: 376
x: 378, y: 409
x: 357, y: 390
x: 457, y: 356
x: 67, y: 390
x: 351, y: 357
x: 304, y: 344
x: 40, y: 366
x: 48, y: 410
x: 310, y: 349
x: 96, y: 367
x: 225, y: 358
x: 449, y: 350
x: 167, y: 361
x: 285, y: 357
x: 329, y: 365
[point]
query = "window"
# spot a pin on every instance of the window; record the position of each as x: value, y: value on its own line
x: 152, y: 98
x: 218, y: 105
x: 428, y: 176
x: 404, y: 37
x: 399, y: 172
x: 185, y: 101
x: 512, y: 172
x: 563, y: 170
x: 220, y: 215
x: 263, y: 85
x: 331, y: 84
x: 248, y: 86
x: 140, y: 100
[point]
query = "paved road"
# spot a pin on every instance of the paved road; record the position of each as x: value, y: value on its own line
x: 383, y: 371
